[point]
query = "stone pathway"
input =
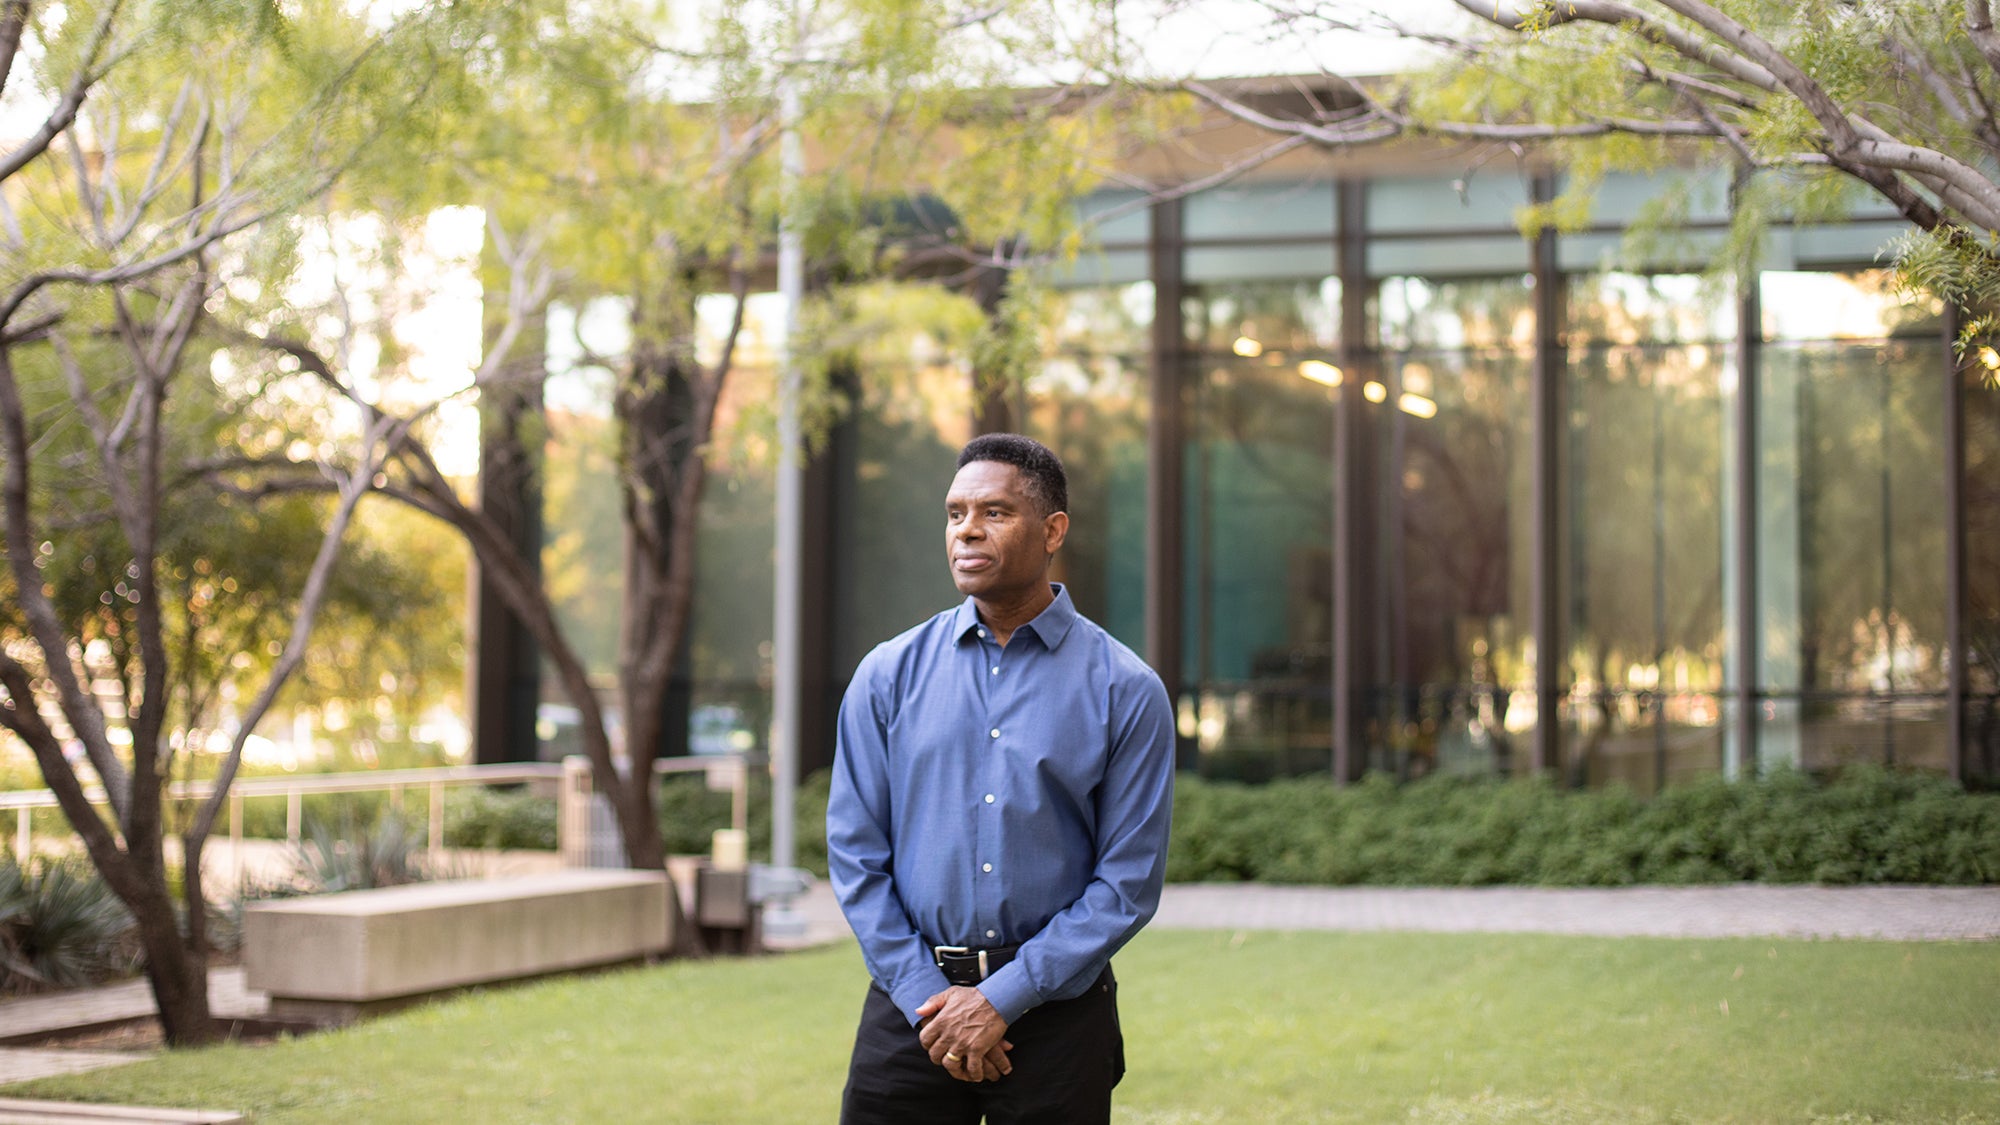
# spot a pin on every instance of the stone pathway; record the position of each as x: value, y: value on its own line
x: 1732, y: 910
x: 27, y: 1019
x: 1735, y: 910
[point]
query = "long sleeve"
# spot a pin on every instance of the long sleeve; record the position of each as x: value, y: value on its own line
x: 1134, y: 813
x: 988, y: 796
x: 860, y: 854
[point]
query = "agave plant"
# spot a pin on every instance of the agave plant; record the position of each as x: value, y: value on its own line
x: 61, y: 927
x: 350, y: 857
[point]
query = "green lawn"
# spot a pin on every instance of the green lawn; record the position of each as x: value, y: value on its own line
x: 1220, y: 1027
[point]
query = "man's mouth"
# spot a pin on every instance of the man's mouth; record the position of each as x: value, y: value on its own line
x: 971, y: 562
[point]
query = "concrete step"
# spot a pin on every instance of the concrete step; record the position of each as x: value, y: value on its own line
x: 22, y: 1111
x: 26, y: 1020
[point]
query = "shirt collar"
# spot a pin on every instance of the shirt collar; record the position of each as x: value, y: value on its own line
x: 1051, y: 625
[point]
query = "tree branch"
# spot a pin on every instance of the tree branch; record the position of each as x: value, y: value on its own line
x: 80, y: 707
x: 1677, y: 39
x: 13, y: 24
x: 311, y: 597
x: 1978, y: 198
x: 64, y: 114
x: 1979, y: 25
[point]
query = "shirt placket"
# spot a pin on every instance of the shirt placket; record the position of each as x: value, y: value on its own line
x: 989, y: 774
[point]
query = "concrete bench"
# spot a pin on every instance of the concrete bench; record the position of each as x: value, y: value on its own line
x: 334, y: 958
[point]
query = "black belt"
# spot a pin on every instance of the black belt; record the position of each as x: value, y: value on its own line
x: 967, y: 966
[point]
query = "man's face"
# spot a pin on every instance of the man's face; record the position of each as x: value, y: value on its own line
x: 997, y: 542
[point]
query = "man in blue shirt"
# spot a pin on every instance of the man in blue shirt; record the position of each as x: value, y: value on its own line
x: 998, y: 825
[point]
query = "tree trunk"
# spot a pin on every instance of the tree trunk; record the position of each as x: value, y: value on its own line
x: 661, y: 412
x: 178, y: 971
x: 528, y: 599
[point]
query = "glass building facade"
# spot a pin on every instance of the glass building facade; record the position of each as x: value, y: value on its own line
x: 1377, y: 484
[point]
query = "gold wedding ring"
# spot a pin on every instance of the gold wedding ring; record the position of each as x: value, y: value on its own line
x: 951, y: 1056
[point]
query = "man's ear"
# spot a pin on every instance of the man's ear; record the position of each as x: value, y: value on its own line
x: 1056, y: 527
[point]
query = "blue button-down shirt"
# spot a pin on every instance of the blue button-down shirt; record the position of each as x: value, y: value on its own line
x: 985, y: 796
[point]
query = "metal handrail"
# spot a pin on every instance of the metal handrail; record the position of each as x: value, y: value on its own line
x: 294, y: 789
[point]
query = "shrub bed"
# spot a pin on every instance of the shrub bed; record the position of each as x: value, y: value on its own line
x: 61, y: 927
x: 1864, y: 825
x: 690, y: 812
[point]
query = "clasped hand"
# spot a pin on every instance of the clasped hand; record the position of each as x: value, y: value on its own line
x: 963, y: 1034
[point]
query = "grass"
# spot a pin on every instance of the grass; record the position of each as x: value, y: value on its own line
x: 1220, y: 1027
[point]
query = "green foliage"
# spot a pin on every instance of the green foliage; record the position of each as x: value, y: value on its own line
x: 474, y: 816
x: 479, y: 817
x: 1866, y: 825
x: 61, y: 927
x: 690, y: 812
x: 354, y: 855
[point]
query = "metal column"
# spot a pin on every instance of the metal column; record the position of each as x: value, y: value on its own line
x: 1546, y: 430
x: 1954, y: 549
x: 1746, y: 644
x: 1353, y: 495
x: 1165, y: 424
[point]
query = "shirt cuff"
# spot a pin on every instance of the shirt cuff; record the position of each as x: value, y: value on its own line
x: 919, y: 987
x: 1010, y: 992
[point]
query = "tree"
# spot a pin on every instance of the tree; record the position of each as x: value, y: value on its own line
x: 1813, y: 101
x: 667, y: 203
x: 170, y: 129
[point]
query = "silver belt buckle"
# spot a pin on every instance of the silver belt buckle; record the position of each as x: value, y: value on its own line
x: 938, y: 953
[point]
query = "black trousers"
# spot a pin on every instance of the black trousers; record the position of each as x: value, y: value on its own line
x: 1067, y: 1056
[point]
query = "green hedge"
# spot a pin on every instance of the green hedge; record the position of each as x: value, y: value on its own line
x: 513, y: 817
x: 1866, y: 825
x: 690, y: 813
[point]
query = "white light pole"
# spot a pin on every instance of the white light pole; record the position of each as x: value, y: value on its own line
x: 786, y: 660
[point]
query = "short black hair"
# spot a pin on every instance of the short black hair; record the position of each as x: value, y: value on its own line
x: 1041, y: 469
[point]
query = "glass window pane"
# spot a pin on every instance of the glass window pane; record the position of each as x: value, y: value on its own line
x: 1258, y: 519
x: 1088, y: 403
x: 1489, y: 200
x: 903, y: 436
x: 1296, y: 210
x: 1452, y: 431
x: 1252, y: 263
x: 1841, y: 306
x: 1851, y: 546
x: 1117, y: 217
x: 1266, y: 319
x: 1096, y: 266
x: 1422, y: 312
x: 1626, y: 308
x: 1449, y: 257
x: 1625, y: 197
x: 730, y: 634
x: 1647, y: 635
x: 1672, y: 250
x: 1847, y: 244
x: 1982, y: 575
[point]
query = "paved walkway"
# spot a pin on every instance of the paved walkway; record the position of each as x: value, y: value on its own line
x: 27, y: 1019
x: 1884, y: 913
x: 1735, y: 910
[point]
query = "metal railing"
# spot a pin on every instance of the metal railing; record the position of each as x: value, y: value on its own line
x: 573, y: 776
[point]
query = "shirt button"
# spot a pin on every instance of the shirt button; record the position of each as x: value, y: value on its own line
x: 982, y: 632
x: 986, y: 867
x: 989, y: 798
x: 992, y: 933
x: 996, y: 671
x: 996, y: 732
